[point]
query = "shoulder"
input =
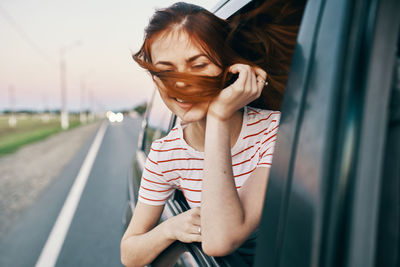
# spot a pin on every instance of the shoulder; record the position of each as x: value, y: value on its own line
x: 259, y: 124
x: 261, y: 118
x: 168, y: 146
x: 173, y: 135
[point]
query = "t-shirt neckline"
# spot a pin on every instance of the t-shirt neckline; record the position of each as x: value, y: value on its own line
x: 234, y: 149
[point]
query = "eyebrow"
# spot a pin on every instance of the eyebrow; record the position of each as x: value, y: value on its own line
x: 189, y: 60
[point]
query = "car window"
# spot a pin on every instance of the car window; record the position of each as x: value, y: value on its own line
x: 158, y: 121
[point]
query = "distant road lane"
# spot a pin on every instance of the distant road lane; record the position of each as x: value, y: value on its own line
x: 96, y: 229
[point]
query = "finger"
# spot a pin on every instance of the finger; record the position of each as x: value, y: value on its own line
x: 249, y: 79
x: 195, y: 212
x: 260, y: 87
x: 260, y: 72
x: 245, y: 71
x: 262, y: 79
x: 194, y: 238
x: 260, y: 83
x: 254, y: 82
x: 235, y: 68
x: 195, y: 229
x: 241, y: 80
x: 196, y: 221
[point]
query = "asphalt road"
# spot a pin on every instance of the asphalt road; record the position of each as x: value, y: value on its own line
x: 94, y: 235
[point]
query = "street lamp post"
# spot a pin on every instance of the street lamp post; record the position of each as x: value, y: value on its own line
x: 64, y: 113
x: 63, y: 85
x: 82, y: 115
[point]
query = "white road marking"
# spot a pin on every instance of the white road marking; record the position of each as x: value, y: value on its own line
x: 52, y: 248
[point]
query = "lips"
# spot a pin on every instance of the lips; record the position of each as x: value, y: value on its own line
x: 182, y: 104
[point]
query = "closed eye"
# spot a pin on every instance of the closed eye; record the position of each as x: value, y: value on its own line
x: 167, y: 70
x: 199, y: 66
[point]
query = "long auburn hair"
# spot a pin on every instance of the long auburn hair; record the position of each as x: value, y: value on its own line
x: 265, y: 37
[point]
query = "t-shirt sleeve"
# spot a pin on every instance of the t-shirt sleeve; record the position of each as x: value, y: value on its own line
x: 154, y: 188
x: 268, y: 141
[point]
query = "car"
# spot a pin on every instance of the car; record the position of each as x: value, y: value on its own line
x: 333, y: 196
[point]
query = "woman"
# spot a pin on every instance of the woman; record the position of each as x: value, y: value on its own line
x: 220, y: 153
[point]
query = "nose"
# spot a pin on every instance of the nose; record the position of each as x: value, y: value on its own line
x: 180, y: 84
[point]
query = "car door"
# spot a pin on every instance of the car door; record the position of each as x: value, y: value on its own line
x: 332, y: 197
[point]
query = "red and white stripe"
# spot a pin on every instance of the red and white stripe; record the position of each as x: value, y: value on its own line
x: 172, y: 164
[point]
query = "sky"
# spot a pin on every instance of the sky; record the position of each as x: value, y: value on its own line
x: 99, y: 37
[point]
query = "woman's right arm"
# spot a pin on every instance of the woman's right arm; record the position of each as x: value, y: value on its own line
x: 143, y: 241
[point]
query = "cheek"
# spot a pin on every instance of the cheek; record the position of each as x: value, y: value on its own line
x: 215, y: 71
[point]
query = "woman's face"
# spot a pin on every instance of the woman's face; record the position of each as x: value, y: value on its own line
x: 175, y: 51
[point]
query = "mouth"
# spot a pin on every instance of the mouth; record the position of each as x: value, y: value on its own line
x: 183, y: 104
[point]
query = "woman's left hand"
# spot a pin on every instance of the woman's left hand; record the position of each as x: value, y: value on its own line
x: 245, y: 89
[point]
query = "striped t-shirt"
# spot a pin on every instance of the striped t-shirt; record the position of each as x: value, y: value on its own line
x: 173, y: 164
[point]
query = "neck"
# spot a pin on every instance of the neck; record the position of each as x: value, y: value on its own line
x: 194, y: 133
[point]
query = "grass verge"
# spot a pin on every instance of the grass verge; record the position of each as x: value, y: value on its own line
x: 28, y: 130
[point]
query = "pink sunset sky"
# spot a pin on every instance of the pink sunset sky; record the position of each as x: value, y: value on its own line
x: 108, y: 31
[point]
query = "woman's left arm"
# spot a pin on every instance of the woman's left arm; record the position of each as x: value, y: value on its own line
x: 228, y: 217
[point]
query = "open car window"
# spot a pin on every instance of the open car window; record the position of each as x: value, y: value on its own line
x: 158, y: 121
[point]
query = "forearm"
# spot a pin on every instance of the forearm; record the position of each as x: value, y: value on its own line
x: 139, y: 250
x: 221, y: 204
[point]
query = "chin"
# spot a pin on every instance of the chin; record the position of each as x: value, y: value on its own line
x: 189, y: 116
x: 196, y: 113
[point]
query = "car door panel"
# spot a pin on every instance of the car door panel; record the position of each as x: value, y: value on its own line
x: 316, y: 197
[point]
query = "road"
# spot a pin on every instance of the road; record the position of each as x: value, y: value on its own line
x: 95, y: 231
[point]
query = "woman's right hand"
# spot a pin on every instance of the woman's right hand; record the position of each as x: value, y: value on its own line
x: 247, y: 87
x: 185, y: 227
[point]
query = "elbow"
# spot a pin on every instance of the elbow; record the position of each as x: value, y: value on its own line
x: 126, y: 261
x: 126, y: 258
x: 219, y: 248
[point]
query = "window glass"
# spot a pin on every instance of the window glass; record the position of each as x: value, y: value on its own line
x: 158, y: 121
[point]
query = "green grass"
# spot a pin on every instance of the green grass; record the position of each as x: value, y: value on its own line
x: 29, y: 129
